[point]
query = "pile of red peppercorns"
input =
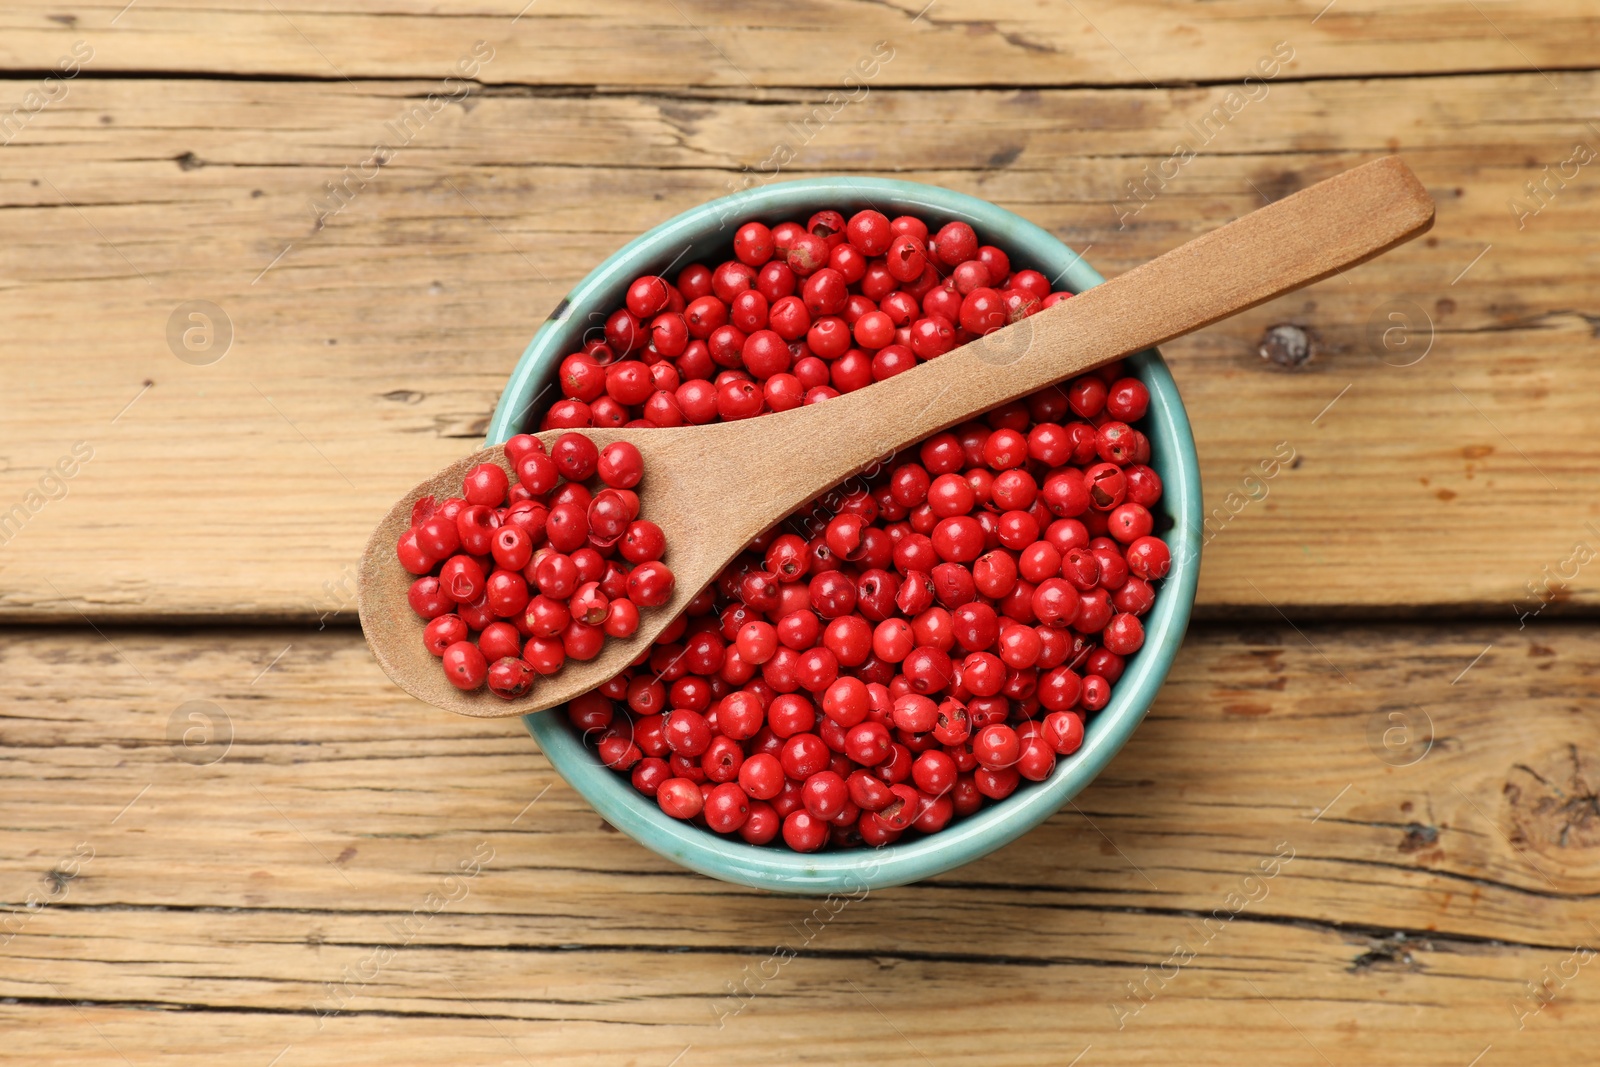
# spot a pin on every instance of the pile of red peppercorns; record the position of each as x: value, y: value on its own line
x: 800, y: 314
x: 518, y: 577
x: 926, y: 637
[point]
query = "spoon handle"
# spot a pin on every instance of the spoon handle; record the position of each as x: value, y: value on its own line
x: 1301, y: 239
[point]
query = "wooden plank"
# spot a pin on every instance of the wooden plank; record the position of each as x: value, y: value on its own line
x: 1417, y: 885
x: 809, y: 42
x: 370, y: 350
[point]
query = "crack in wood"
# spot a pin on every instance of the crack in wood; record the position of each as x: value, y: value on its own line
x: 741, y: 93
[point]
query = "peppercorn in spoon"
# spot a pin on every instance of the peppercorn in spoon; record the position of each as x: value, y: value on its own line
x: 713, y: 488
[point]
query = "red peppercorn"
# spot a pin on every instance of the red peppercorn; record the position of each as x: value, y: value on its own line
x: 485, y: 484
x: 464, y: 665
x: 1124, y: 634
x: 620, y: 465
x: 1059, y: 688
x: 726, y: 808
x: 824, y: 794
x: 928, y: 669
x: 647, y: 296
x: 807, y: 254
x: 580, y: 641
x: 1129, y: 522
x: 906, y: 258
x: 932, y: 335
x: 790, y: 714
x: 1096, y: 692
x: 649, y: 774
x: 761, y: 776
x: 983, y: 311
x: 475, y: 529
x: 510, y: 678
x: 996, y: 784
x: 680, y: 798
x: 462, y: 579
x: 1094, y: 611
x: 996, y: 746
x: 803, y: 755
x: 804, y: 832
x: 761, y: 825
x: 849, y: 639
x: 1127, y: 400
x: 1036, y: 759
x: 687, y: 732
x: 753, y: 244
x: 444, y: 631
x: 1149, y: 558
x: 1063, y: 732
x: 955, y: 243
x: 500, y: 640
x: 428, y: 598
x: 902, y: 807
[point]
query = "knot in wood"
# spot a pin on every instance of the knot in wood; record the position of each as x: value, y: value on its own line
x: 1288, y: 346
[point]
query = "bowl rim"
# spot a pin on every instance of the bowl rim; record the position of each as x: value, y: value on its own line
x: 997, y: 824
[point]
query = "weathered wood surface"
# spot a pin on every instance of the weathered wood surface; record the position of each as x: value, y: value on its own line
x: 810, y: 42
x: 197, y: 903
x: 374, y: 347
x: 214, y: 903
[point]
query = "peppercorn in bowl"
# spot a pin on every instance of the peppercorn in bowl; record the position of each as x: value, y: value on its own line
x: 930, y: 659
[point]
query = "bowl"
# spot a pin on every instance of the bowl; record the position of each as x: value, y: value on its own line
x: 702, y: 232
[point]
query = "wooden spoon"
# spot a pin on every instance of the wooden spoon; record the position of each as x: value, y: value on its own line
x: 714, y: 488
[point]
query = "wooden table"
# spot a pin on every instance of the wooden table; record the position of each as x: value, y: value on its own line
x: 1360, y: 825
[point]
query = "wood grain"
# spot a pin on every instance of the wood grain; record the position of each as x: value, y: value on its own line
x: 374, y: 350
x: 808, y: 42
x: 229, y: 887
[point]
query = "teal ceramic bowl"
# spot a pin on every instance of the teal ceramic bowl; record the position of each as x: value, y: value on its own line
x: 708, y: 230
